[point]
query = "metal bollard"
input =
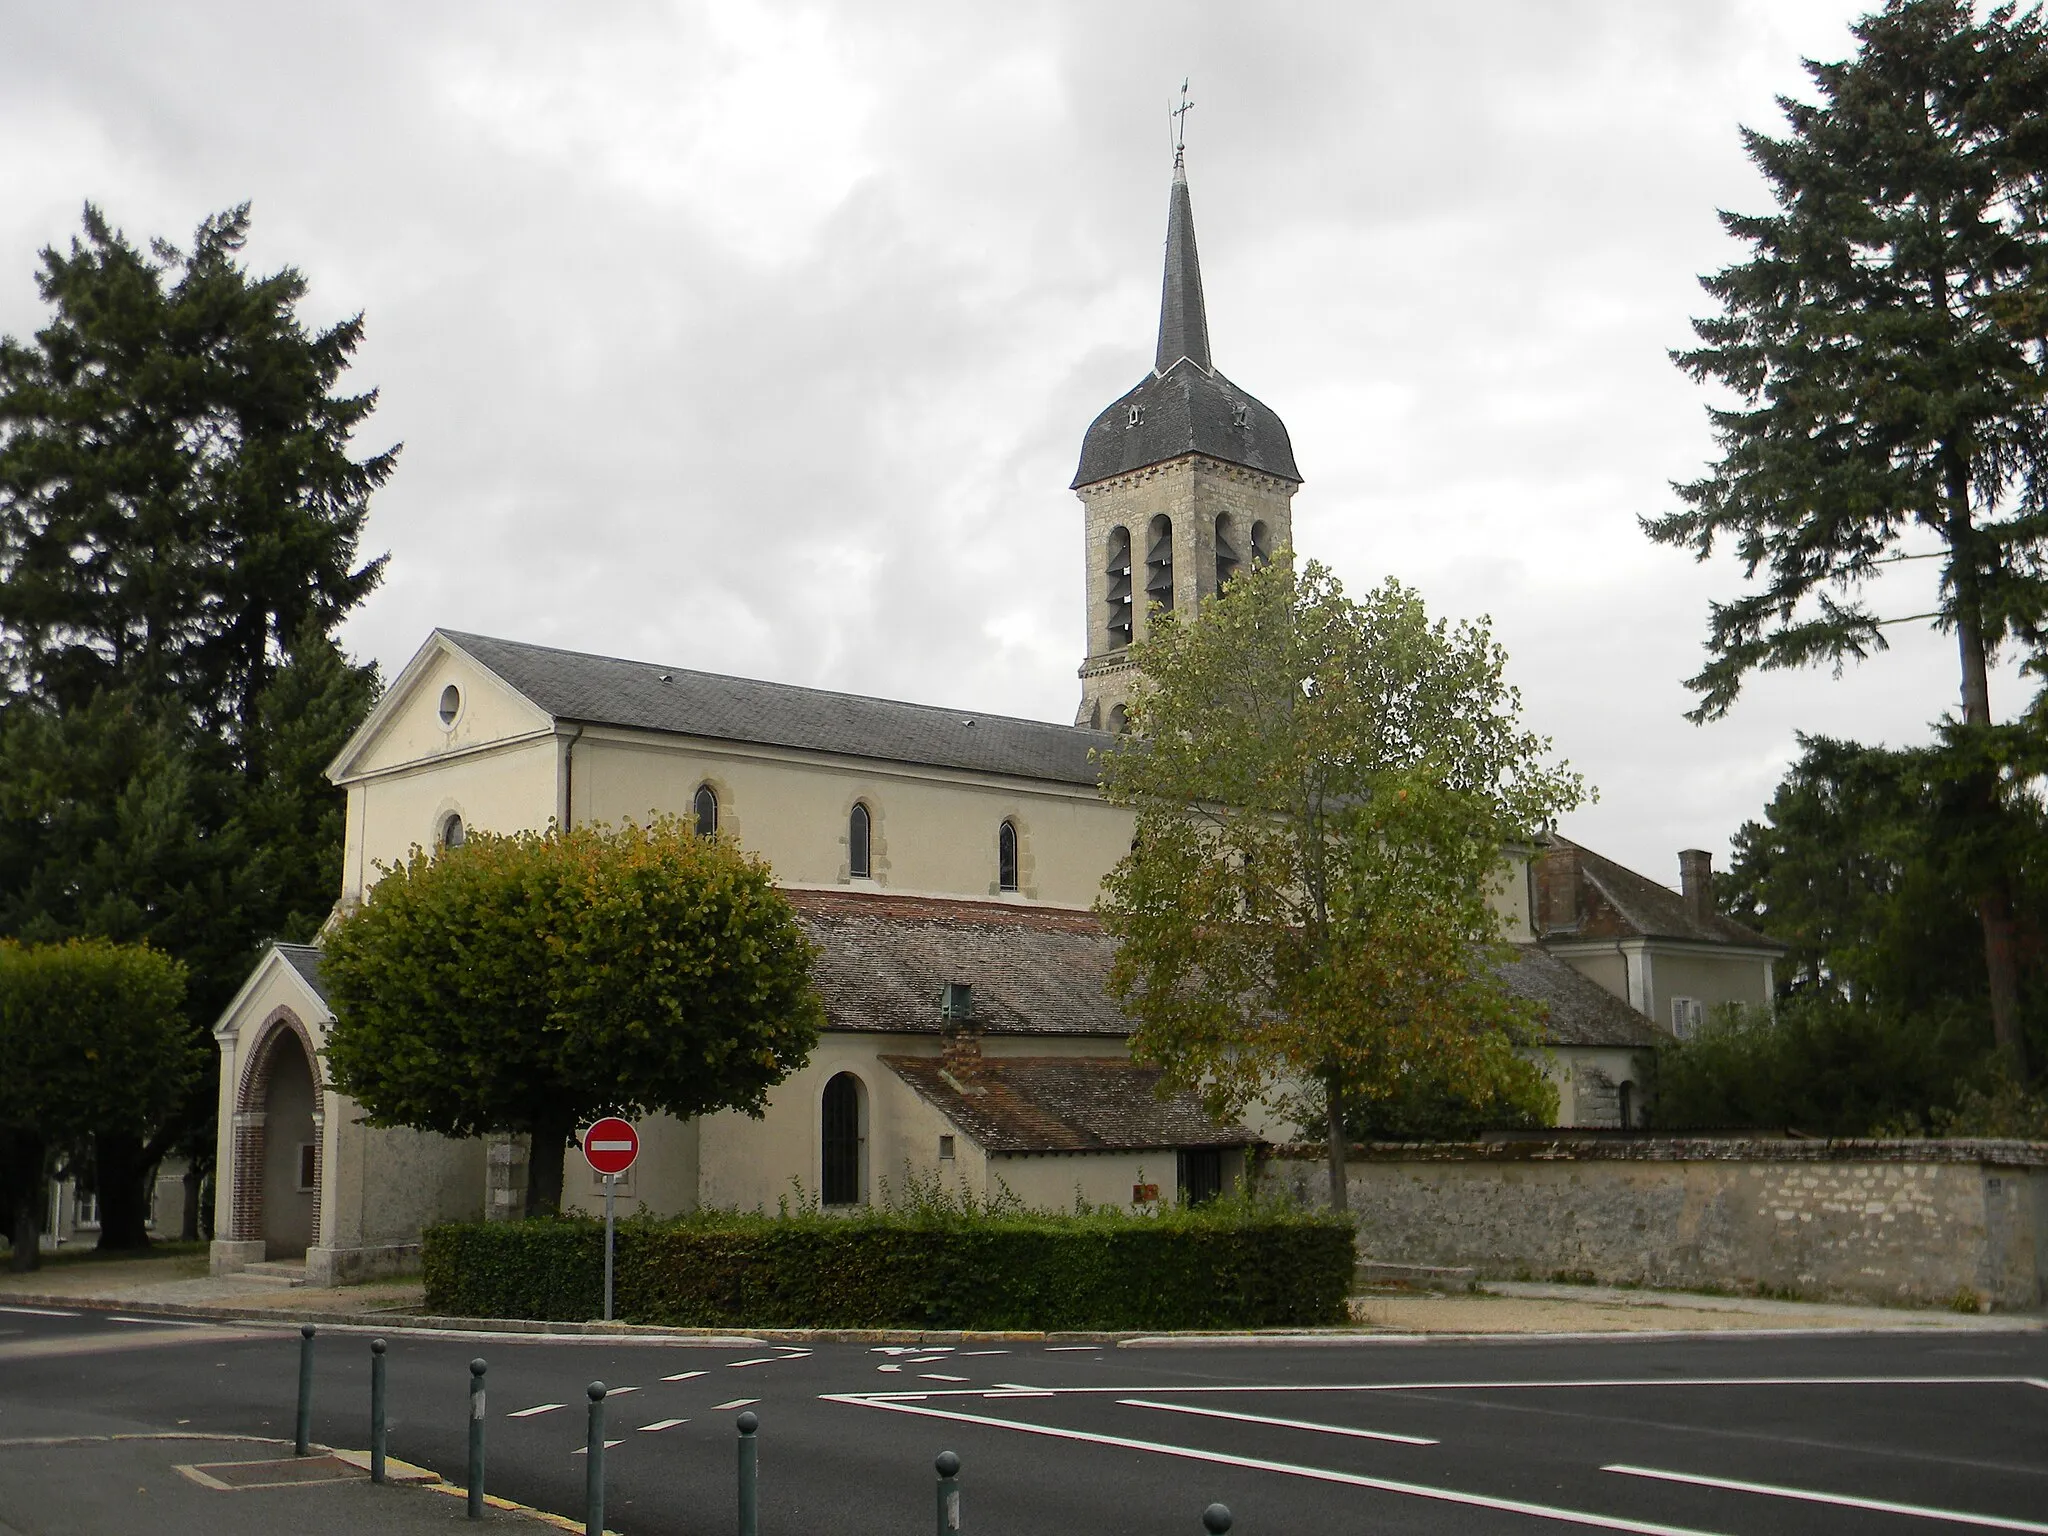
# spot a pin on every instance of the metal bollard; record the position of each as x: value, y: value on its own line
x: 1216, y: 1520
x: 376, y: 1410
x: 750, y: 1502
x: 593, y: 1464
x: 303, y: 1444
x: 476, y: 1438
x: 949, y: 1491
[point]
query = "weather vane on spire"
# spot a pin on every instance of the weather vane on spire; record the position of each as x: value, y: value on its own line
x: 1179, y: 115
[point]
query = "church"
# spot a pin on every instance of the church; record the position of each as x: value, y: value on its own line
x: 944, y: 863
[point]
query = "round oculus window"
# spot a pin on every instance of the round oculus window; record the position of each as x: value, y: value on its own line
x: 451, y: 704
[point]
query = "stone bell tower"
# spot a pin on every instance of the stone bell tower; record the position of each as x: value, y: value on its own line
x: 1182, y: 480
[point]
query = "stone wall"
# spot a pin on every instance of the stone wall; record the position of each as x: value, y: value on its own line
x: 1900, y: 1222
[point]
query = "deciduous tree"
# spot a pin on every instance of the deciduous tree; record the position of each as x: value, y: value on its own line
x: 531, y: 983
x: 1325, y: 790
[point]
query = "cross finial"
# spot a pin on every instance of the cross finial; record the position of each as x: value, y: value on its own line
x: 1179, y: 115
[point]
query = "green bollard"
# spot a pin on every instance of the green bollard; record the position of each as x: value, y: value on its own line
x: 750, y: 1501
x: 476, y: 1438
x: 949, y: 1492
x: 1216, y: 1520
x: 593, y: 1464
x: 376, y: 1410
x: 302, y: 1445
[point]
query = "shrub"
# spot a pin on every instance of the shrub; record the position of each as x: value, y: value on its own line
x: 1231, y: 1264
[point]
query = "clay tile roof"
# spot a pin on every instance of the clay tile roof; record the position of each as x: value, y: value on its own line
x: 1064, y: 1104
x: 1577, y: 1011
x: 639, y: 695
x: 882, y: 961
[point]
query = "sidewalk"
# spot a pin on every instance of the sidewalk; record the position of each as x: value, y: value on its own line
x: 210, y: 1486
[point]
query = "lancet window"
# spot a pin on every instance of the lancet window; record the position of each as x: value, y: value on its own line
x: 1119, y: 598
x: 1227, y: 560
x: 1159, y: 564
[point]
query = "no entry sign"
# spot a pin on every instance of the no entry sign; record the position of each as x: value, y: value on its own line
x: 611, y: 1145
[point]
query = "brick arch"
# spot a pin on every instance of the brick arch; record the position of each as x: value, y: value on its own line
x: 250, y: 1135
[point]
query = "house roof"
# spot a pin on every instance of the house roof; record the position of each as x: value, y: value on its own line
x: 1617, y: 903
x: 1577, y: 1011
x: 305, y: 959
x: 1184, y: 405
x: 882, y: 961
x: 639, y: 695
x: 1064, y: 1104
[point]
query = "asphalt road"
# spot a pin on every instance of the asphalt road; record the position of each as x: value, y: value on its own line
x: 1738, y: 1435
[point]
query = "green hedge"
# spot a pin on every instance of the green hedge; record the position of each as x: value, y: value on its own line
x: 1225, y: 1265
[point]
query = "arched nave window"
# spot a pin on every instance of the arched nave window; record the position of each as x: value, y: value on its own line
x: 1006, y: 856
x: 706, y: 807
x: 858, y: 826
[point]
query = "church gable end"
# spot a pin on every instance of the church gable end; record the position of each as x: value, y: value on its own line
x: 443, y: 704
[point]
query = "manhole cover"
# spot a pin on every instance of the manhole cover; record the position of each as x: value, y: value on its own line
x: 284, y: 1473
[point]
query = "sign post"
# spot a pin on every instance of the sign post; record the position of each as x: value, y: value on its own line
x: 610, y: 1147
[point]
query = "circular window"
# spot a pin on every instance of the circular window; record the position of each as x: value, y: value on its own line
x: 452, y: 835
x: 451, y: 704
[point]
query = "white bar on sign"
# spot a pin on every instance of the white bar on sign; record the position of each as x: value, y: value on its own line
x: 611, y: 1146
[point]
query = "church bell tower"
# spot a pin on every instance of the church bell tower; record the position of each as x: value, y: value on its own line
x: 1182, y: 480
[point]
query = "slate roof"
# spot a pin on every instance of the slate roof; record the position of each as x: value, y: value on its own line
x: 639, y: 695
x: 1617, y: 903
x: 1577, y: 1011
x: 882, y: 961
x: 305, y: 959
x: 1184, y: 405
x: 1064, y: 1104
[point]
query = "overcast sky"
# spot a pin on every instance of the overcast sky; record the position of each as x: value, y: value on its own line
x: 761, y: 339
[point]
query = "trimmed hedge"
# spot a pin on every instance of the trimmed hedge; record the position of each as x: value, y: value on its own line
x: 1226, y: 1265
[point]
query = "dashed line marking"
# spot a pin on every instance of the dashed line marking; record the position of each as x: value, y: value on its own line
x: 738, y: 1402
x: 527, y: 1413
x: 1066, y: 1349
x: 584, y: 1450
x: 659, y: 1424
x: 1256, y: 1418
x: 733, y: 1365
x: 682, y: 1376
x: 37, y: 1312
x: 936, y: 1376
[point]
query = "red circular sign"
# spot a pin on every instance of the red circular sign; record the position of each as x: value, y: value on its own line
x: 611, y: 1145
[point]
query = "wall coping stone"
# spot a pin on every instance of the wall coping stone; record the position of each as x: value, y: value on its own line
x: 1690, y: 1149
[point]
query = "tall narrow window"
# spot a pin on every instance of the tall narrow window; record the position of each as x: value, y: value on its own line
x: 1262, y: 544
x: 1625, y: 1097
x: 1159, y: 564
x: 1227, y: 561
x: 706, y: 805
x: 841, y: 1138
x: 1119, y: 599
x: 1006, y: 856
x: 857, y: 842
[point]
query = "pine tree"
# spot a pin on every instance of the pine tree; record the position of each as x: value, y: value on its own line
x: 1885, y: 342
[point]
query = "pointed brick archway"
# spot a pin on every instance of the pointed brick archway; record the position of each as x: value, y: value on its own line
x: 274, y: 1038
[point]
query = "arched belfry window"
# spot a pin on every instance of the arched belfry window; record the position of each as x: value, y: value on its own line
x: 1227, y: 560
x: 1119, y: 719
x: 1262, y: 544
x: 1006, y: 856
x: 1159, y: 563
x: 1119, y: 599
x: 842, y: 1140
x: 452, y: 834
x: 858, y: 827
x: 706, y: 808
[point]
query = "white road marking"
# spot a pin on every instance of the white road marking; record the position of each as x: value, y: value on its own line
x: 936, y: 1376
x: 966, y: 1352
x: 1648, y: 1381
x: 160, y: 1322
x: 1840, y: 1500
x: 584, y: 1450
x: 733, y: 1365
x: 1061, y: 1349
x: 1253, y: 1418
x: 659, y: 1424
x: 738, y: 1402
x: 888, y: 1367
x: 682, y: 1376
x: 1318, y: 1474
x: 37, y: 1312
x: 527, y: 1413
x: 615, y: 1391
x: 1019, y: 1392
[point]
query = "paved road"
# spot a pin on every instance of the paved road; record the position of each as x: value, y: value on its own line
x: 1735, y: 1435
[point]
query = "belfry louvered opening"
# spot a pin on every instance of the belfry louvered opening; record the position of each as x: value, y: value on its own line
x: 1227, y: 560
x: 1159, y: 563
x: 1119, y: 599
x: 1262, y: 544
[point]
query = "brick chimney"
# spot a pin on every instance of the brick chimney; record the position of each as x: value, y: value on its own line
x: 1557, y: 889
x: 960, y: 1052
x: 1696, y: 880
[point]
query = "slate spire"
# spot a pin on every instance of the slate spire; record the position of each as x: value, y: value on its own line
x: 1183, y: 318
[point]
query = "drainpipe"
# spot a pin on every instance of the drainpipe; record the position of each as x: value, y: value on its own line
x: 569, y: 777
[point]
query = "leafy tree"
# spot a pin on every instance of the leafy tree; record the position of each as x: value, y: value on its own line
x: 1324, y: 791
x: 531, y: 983
x: 92, y: 1041
x: 179, y: 523
x: 1884, y: 344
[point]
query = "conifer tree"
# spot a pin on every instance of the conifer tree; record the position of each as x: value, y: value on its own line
x: 1884, y: 340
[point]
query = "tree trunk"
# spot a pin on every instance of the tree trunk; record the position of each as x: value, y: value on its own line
x: 188, y: 1224
x: 1340, y: 1199
x: 1994, y: 899
x: 548, y: 1145
x: 122, y: 1167
x: 28, y: 1172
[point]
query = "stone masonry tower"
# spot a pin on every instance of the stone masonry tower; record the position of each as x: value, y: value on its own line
x: 1182, y: 480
